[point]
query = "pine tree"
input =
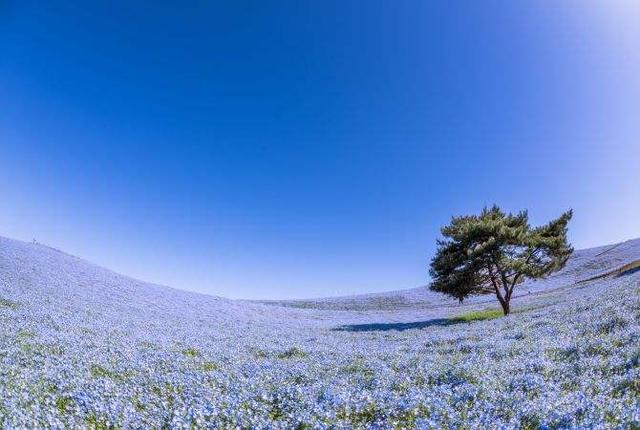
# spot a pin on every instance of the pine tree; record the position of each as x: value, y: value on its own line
x: 493, y: 252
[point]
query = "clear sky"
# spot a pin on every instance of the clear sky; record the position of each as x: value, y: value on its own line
x: 301, y: 149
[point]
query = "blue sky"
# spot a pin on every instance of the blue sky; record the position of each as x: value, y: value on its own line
x: 300, y: 149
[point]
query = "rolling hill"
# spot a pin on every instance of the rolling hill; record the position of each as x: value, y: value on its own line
x: 84, y: 347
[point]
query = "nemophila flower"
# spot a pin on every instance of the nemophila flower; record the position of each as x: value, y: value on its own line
x: 84, y: 347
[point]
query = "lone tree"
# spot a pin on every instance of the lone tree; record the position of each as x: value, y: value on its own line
x: 494, y: 251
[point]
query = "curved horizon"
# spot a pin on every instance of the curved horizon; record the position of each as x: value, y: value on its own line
x: 608, y: 246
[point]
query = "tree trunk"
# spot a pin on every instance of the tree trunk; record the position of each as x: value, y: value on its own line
x: 505, y: 306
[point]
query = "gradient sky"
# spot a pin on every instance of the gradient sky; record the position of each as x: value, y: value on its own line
x: 301, y: 149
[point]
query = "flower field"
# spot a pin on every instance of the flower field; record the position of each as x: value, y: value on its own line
x: 81, y: 346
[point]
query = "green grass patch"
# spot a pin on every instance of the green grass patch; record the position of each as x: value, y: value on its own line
x: 63, y: 404
x: 209, y: 366
x: 9, y: 304
x: 191, y: 352
x: 259, y: 353
x: 41, y: 349
x: 25, y: 334
x: 97, y: 371
x: 359, y: 367
x: 360, y: 417
x: 95, y: 423
x: 294, y: 352
x: 486, y: 314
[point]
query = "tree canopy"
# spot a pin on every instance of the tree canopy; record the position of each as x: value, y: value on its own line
x: 495, y: 251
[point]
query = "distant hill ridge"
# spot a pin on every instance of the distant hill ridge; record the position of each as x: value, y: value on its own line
x: 34, y: 264
x: 584, y: 265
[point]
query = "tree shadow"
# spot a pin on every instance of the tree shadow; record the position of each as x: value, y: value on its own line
x: 441, y: 322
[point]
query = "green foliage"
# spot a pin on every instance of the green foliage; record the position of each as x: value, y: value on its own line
x: 495, y: 251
